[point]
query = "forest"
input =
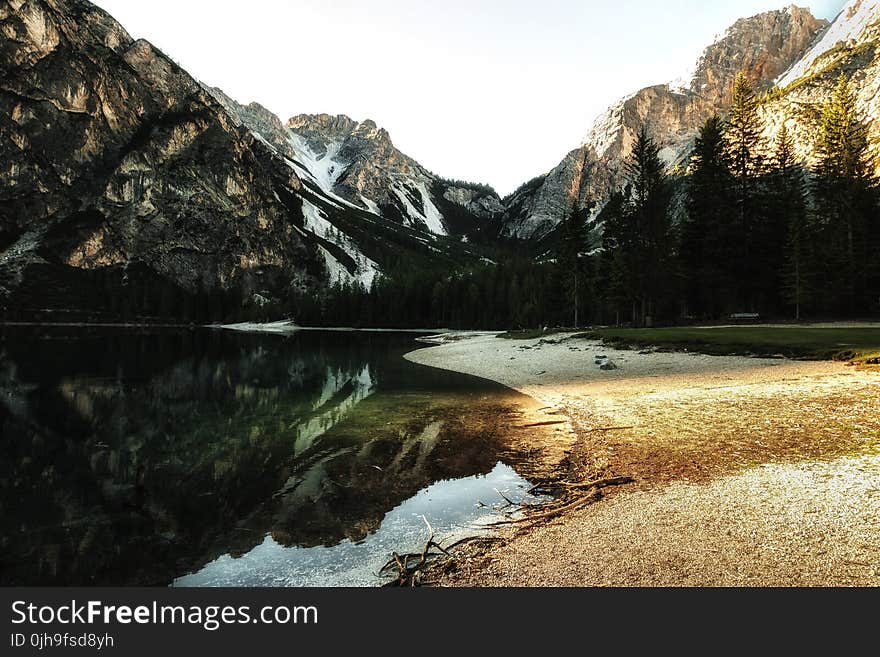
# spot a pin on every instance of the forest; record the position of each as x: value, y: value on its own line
x: 746, y: 230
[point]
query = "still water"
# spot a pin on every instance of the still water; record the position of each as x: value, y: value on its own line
x: 206, y: 457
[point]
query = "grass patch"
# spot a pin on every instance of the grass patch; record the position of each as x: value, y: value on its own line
x: 847, y: 344
x: 528, y: 334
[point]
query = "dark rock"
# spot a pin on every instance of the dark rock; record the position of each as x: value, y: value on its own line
x: 116, y: 160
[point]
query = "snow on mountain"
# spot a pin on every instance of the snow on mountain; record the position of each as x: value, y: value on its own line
x: 364, y: 271
x: 846, y: 28
x: 848, y: 47
x: 357, y: 162
x: 321, y: 168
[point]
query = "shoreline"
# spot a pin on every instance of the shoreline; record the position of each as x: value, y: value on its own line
x: 699, y: 434
x: 281, y: 326
x: 285, y: 326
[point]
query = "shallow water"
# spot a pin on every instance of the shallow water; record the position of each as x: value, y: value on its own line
x: 206, y: 457
x: 453, y: 506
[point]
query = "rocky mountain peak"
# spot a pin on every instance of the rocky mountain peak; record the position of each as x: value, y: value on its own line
x: 850, y: 46
x: 318, y: 129
x: 764, y: 46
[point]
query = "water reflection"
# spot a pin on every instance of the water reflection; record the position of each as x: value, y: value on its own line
x: 135, y: 458
x: 449, y: 504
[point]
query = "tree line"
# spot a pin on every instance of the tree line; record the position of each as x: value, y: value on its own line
x: 760, y: 234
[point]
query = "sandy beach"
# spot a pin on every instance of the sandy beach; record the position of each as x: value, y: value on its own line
x: 747, y: 471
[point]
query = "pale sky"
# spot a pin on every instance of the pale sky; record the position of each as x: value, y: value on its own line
x: 490, y: 91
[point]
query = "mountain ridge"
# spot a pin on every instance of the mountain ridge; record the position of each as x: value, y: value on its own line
x: 120, y: 166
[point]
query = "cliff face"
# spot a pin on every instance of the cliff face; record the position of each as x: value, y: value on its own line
x: 113, y: 158
x: 764, y: 46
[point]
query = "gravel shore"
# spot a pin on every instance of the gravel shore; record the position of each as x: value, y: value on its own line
x: 756, y: 472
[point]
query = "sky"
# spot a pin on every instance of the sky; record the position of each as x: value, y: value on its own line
x: 489, y: 91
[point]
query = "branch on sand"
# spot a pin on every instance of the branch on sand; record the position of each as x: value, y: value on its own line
x: 571, y: 501
x: 411, y: 567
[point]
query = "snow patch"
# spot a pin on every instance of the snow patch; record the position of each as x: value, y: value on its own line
x: 323, y: 169
x: 846, y: 28
x: 431, y: 216
x: 371, y: 206
x: 283, y: 326
x: 317, y: 223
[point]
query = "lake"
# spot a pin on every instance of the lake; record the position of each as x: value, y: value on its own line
x: 203, y: 457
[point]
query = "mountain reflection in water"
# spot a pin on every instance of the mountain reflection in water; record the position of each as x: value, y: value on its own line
x: 138, y: 457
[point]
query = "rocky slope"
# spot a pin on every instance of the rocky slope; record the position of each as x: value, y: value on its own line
x: 358, y: 162
x: 355, y: 179
x: 764, y: 46
x: 128, y: 188
x: 118, y: 168
x: 850, y: 46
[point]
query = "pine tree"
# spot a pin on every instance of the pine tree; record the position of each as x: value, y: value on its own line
x: 844, y: 197
x: 649, y: 205
x: 617, y: 266
x: 707, y: 244
x: 742, y: 142
x: 572, y: 248
x: 790, y: 194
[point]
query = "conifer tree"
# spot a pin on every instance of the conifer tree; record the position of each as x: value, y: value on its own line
x: 844, y: 199
x: 790, y: 191
x: 742, y: 142
x: 572, y: 249
x: 649, y: 209
x: 707, y: 243
x: 617, y: 265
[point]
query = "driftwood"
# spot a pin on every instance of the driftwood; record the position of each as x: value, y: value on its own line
x: 411, y: 574
x: 578, y: 503
x: 548, y: 423
x: 567, y: 503
x: 505, y: 498
x: 411, y: 568
x: 600, y: 429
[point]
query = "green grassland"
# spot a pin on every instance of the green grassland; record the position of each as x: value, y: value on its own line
x: 811, y: 343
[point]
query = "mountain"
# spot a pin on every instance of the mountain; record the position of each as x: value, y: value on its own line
x: 358, y: 162
x: 355, y: 167
x: 763, y: 46
x: 129, y: 188
x: 122, y: 176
